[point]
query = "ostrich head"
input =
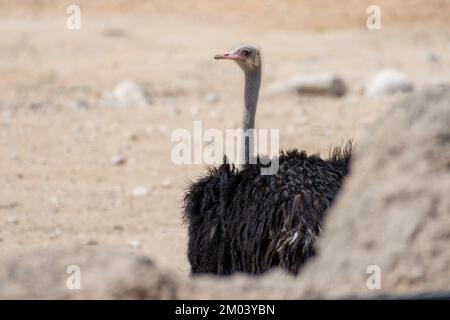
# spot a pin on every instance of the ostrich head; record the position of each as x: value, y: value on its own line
x: 246, y: 56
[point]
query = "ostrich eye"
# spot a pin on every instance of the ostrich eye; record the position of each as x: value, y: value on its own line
x: 246, y: 53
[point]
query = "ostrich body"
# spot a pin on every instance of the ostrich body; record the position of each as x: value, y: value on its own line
x: 241, y: 220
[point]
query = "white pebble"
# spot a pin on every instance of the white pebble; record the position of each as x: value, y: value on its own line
x: 12, y: 220
x: 166, y: 183
x: 387, y: 82
x: 140, y: 192
x: 135, y: 244
x: 118, y: 160
x: 126, y: 93
x: 54, y: 200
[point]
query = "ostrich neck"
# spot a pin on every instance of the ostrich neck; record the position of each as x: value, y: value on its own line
x: 251, y: 92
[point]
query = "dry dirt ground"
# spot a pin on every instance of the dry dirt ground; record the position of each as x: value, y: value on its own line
x: 58, y: 186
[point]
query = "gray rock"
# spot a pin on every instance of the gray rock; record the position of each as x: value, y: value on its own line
x: 126, y: 93
x: 394, y: 211
x: 312, y: 84
x: 388, y: 82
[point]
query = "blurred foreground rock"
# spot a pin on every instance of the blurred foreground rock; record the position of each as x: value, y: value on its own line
x: 312, y: 84
x: 105, y: 274
x: 387, y: 82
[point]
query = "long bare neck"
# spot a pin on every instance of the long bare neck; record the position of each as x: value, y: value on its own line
x: 251, y: 92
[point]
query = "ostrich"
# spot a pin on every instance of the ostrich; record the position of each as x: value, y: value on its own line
x: 241, y: 220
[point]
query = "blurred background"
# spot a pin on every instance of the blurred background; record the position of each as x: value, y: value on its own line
x: 86, y: 115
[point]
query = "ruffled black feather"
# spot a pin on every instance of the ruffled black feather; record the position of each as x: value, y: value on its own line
x: 248, y: 222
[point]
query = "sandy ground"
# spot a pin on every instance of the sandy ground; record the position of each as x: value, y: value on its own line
x: 58, y: 186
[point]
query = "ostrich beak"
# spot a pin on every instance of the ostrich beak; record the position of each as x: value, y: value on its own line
x: 229, y: 56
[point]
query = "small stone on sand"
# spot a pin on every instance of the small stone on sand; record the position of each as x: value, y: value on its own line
x: 140, y: 192
x: 118, y: 160
x: 135, y: 244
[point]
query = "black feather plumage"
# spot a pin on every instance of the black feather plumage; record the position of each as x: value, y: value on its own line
x: 248, y: 222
